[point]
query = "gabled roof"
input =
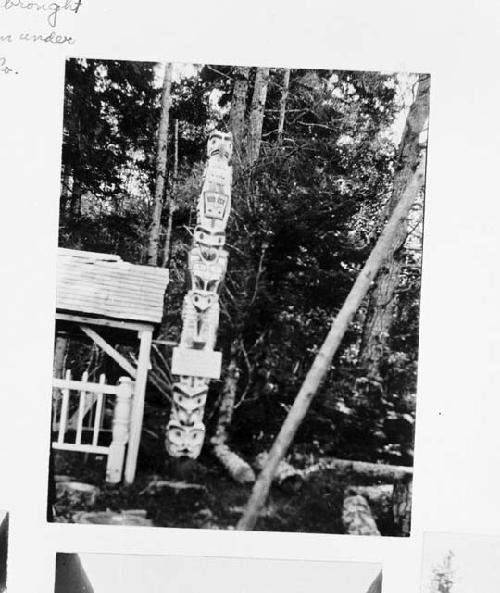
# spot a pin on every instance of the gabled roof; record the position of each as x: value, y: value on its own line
x: 103, y: 285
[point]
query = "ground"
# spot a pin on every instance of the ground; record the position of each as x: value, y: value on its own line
x: 314, y: 506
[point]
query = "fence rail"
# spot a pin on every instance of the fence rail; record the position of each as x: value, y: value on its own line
x: 80, y: 407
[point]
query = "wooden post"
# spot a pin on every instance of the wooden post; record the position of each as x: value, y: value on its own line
x: 63, y: 418
x: 121, y: 423
x: 60, y: 350
x: 138, y: 405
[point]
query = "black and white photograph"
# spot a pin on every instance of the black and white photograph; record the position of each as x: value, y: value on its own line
x: 237, y: 307
x: 4, y: 544
x: 108, y: 573
x: 250, y: 321
x: 460, y: 563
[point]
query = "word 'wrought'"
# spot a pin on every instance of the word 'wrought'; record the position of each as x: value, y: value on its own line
x: 195, y: 361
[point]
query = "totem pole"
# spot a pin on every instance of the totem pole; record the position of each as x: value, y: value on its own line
x: 195, y: 361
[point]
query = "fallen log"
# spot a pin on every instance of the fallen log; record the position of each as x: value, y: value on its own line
x: 376, y: 471
x: 237, y: 467
x: 284, y: 472
x: 380, y: 471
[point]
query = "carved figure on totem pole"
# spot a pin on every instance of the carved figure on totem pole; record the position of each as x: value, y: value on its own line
x: 200, y: 320
x: 207, y: 264
x: 185, y: 441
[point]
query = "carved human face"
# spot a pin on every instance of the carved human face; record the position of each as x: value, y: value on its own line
x: 203, y: 301
x: 220, y: 143
x: 209, y: 237
x: 187, y: 416
x: 189, y: 403
x: 184, y: 441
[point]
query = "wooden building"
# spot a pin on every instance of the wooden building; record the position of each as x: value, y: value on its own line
x: 111, y: 302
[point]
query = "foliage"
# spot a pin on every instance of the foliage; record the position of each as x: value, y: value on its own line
x: 304, y: 219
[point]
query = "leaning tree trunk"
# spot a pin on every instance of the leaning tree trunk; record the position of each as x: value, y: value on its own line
x: 256, y: 116
x: 237, y: 468
x: 323, y: 360
x: 161, y: 169
x: 382, y: 300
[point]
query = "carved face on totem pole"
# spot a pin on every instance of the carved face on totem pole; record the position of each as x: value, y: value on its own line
x: 209, y: 238
x: 184, y: 441
x: 200, y: 319
x: 214, y: 203
x: 186, y: 415
x: 220, y: 144
x: 213, y: 210
x: 207, y: 273
x: 189, y: 401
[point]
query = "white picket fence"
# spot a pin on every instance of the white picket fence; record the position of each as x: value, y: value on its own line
x: 79, y: 409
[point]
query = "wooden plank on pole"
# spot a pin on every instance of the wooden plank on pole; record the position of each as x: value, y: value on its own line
x: 128, y: 325
x: 196, y: 363
x: 138, y: 405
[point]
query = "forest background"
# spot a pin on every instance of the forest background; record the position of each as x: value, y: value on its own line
x: 318, y: 157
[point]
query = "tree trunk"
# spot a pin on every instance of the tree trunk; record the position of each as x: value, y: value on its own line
x: 256, y: 116
x: 284, y: 96
x: 66, y: 185
x: 161, y: 169
x: 402, y: 503
x: 171, y: 198
x: 237, y: 114
x: 382, y: 300
x: 373, y: 471
x: 322, y: 362
x: 238, y: 469
x: 76, y: 200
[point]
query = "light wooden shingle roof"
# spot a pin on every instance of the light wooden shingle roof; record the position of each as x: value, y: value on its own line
x: 105, y: 286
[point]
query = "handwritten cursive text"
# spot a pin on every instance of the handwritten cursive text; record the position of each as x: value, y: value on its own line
x: 5, y: 68
x: 52, y: 9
